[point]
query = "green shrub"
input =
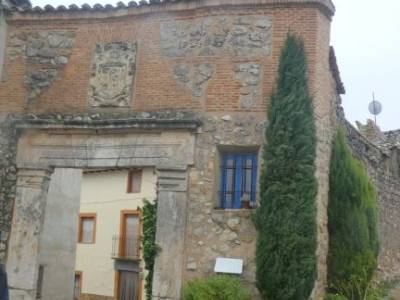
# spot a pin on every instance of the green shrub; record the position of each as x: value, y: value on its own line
x: 352, y: 224
x: 216, y: 288
x: 373, y: 292
x: 150, y: 249
x: 286, y: 218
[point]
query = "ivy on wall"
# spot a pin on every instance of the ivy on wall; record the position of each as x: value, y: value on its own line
x: 286, y: 218
x: 150, y: 249
x: 352, y: 224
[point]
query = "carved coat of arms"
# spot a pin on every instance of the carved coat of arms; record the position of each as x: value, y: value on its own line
x: 113, y: 71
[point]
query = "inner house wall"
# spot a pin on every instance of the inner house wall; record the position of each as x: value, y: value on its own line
x: 105, y: 194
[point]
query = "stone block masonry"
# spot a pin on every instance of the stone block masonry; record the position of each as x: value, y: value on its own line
x: 45, y: 52
x: 8, y: 179
x: 214, y: 232
x: 377, y: 150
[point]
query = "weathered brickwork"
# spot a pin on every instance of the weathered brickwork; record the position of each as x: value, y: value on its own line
x: 156, y: 85
x: 45, y: 53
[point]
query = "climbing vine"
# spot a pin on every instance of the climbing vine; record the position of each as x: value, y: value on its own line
x: 286, y: 218
x: 150, y: 249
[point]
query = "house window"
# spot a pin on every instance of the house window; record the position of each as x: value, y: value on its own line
x: 77, y: 285
x: 134, y: 181
x: 87, y: 228
x: 239, y: 177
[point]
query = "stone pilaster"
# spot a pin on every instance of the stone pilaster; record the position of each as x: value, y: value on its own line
x: 29, y: 208
x: 171, y: 223
x: 3, y: 36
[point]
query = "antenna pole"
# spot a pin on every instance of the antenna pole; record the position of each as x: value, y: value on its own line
x: 373, y: 101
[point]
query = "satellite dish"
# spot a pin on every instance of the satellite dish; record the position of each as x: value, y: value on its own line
x: 375, y: 108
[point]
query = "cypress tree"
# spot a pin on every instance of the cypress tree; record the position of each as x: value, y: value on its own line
x: 352, y: 224
x: 286, y: 218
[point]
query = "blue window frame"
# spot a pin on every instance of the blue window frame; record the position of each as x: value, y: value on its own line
x: 239, y: 179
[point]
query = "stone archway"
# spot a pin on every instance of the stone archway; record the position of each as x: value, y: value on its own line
x: 166, y: 145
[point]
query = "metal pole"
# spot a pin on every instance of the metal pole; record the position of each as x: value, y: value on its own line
x: 373, y: 103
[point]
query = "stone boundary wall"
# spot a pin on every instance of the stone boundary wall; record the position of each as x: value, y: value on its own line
x: 379, y: 168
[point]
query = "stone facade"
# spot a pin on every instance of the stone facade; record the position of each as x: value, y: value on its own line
x: 194, y: 77
x: 214, y: 232
x: 217, y: 36
x: 169, y: 85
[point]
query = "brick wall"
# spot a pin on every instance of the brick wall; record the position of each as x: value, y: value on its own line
x: 154, y: 85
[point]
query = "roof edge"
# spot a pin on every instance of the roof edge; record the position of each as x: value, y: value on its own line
x: 121, y: 9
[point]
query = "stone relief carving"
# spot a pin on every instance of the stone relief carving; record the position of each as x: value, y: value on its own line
x: 245, y: 37
x: 46, y: 53
x: 113, y: 71
x: 194, y: 77
x: 249, y: 77
x: 240, y: 36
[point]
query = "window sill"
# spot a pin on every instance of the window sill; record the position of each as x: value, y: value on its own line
x: 124, y: 258
x: 242, y: 212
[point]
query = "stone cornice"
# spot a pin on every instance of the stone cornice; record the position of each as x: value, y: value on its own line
x: 98, y: 11
x: 152, y: 122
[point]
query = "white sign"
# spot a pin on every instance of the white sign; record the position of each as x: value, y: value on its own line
x: 228, y: 265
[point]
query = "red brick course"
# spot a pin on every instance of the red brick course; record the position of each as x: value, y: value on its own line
x: 154, y: 85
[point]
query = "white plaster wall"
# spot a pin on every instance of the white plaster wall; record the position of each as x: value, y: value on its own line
x: 105, y: 194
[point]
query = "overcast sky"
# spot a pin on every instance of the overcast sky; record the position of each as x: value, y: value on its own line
x: 366, y: 37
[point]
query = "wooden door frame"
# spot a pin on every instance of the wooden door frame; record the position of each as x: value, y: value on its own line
x: 79, y: 273
x: 122, y: 230
x: 117, y: 278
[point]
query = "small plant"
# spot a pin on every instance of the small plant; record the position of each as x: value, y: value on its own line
x: 216, y: 288
x: 374, y: 291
